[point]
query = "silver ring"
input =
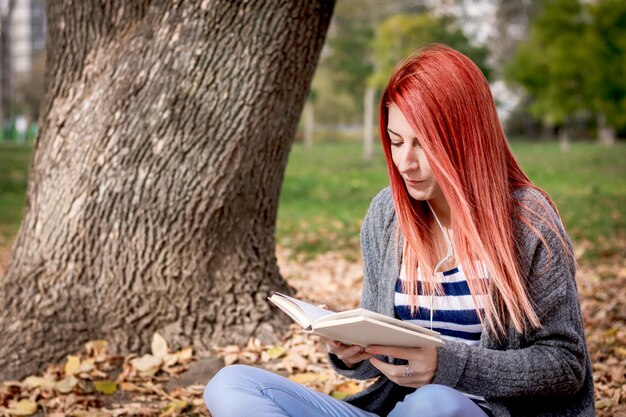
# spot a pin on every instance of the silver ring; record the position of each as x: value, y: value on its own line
x: 409, y: 371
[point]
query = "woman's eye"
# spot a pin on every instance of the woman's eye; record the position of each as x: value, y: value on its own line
x: 396, y: 143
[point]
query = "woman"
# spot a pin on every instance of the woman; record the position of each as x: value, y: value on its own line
x: 461, y: 242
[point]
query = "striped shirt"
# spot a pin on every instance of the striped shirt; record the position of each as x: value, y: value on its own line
x: 454, y: 311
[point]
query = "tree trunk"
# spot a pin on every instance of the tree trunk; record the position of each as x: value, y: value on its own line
x: 368, y: 124
x: 154, y: 183
x: 606, y: 134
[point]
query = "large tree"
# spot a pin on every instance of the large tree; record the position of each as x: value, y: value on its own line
x: 605, y: 80
x: 154, y: 182
x: 399, y: 35
x: 550, y: 64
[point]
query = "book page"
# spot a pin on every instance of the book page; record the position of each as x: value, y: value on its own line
x: 312, y: 312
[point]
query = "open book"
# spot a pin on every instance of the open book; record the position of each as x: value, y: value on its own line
x: 355, y: 327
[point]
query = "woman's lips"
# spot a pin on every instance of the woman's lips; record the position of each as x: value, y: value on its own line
x: 413, y: 182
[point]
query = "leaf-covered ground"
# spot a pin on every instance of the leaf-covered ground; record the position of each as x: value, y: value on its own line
x: 162, y: 382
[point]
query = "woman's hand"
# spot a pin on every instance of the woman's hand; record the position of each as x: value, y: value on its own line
x: 349, y: 354
x: 419, y: 371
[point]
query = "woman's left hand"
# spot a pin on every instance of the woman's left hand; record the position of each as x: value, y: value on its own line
x: 419, y: 371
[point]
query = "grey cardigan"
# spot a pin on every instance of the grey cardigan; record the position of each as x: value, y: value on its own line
x: 544, y: 372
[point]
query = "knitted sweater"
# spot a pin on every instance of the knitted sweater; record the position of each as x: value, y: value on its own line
x: 542, y: 372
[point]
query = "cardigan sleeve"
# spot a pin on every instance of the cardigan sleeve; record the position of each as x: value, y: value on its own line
x: 541, y: 362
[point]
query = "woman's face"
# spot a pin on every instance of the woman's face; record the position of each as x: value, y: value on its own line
x: 408, y: 156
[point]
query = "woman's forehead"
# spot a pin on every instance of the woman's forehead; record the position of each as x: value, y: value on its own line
x: 398, y: 123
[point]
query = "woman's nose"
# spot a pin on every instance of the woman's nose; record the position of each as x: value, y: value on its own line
x: 408, y: 159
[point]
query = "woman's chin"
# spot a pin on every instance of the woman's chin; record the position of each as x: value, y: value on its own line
x: 419, y: 195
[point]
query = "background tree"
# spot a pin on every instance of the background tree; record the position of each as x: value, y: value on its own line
x: 550, y: 65
x: 399, y: 35
x: 154, y: 182
x: 30, y: 91
x: 351, y: 62
x: 513, y: 21
x: 606, y: 67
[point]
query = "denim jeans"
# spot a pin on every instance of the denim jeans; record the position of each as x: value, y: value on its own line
x: 240, y: 390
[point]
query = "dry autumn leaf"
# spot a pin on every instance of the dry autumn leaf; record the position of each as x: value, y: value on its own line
x: 23, y: 407
x: 97, y: 348
x: 38, y: 382
x: 66, y: 385
x: 276, y: 352
x: 347, y: 388
x: 185, y: 354
x: 159, y: 346
x: 90, y: 413
x: 86, y: 366
x: 105, y: 387
x: 72, y: 365
x: 173, y: 408
x: 308, y: 377
x: 147, y: 365
x: 170, y: 360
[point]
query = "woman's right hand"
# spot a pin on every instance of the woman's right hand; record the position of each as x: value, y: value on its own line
x: 349, y: 354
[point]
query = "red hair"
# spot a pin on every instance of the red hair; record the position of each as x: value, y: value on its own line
x: 447, y: 102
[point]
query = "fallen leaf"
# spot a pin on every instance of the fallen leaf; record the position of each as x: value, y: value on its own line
x: 105, y: 387
x: 276, y: 352
x: 230, y: 358
x: 89, y: 413
x: 604, y: 403
x: 147, y: 365
x: 159, y: 346
x: 185, y: 354
x: 173, y: 407
x: 23, y: 408
x: 72, y: 365
x: 308, y: 377
x: 66, y: 385
x: 38, y: 382
x: 86, y: 366
x: 347, y: 388
x: 170, y: 360
x: 97, y: 348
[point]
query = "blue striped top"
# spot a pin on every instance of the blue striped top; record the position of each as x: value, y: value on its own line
x: 454, y: 312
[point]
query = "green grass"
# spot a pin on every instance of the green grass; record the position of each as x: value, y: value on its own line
x: 588, y: 184
x: 327, y: 190
x: 14, y: 160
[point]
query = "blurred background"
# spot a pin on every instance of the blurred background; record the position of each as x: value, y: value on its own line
x: 556, y: 67
x: 557, y: 74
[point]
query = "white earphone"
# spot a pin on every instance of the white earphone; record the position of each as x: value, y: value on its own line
x: 443, y: 260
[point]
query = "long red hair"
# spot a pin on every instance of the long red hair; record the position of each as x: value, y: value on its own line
x: 447, y: 102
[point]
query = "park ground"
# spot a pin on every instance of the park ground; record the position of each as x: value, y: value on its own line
x: 325, y: 194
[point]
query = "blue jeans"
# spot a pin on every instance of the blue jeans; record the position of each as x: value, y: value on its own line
x: 240, y: 390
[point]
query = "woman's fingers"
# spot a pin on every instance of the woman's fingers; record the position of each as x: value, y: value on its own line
x: 349, y: 354
x: 331, y: 345
x: 411, y: 375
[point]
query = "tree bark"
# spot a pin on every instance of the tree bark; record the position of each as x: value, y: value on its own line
x: 154, y: 183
